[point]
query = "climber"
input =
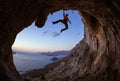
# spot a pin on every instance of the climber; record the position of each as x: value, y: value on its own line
x: 64, y: 21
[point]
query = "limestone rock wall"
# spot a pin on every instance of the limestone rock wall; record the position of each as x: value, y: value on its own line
x: 95, y: 58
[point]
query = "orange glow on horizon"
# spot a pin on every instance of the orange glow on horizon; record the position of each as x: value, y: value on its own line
x: 28, y: 49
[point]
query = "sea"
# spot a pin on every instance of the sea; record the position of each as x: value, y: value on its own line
x: 25, y: 62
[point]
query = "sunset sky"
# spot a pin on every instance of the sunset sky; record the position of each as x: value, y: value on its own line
x: 49, y: 38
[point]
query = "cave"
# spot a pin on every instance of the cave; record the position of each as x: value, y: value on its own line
x: 95, y: 58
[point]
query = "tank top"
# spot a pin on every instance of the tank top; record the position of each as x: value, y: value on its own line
x: 65, y: 17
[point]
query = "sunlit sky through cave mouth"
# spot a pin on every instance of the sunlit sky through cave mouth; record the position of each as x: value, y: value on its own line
x: 49, y: 38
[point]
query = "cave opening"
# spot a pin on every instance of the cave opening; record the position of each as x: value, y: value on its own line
x: 95, y: 58
x: 31, y: 42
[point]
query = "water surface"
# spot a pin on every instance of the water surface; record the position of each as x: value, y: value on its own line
x: 25, y: 62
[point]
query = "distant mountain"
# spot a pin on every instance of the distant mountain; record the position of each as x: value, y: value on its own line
x: 55, y: 59
x: 56, y: 53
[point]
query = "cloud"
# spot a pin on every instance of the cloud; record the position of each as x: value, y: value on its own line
x: 55, y: 34
x: 45, y: 32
